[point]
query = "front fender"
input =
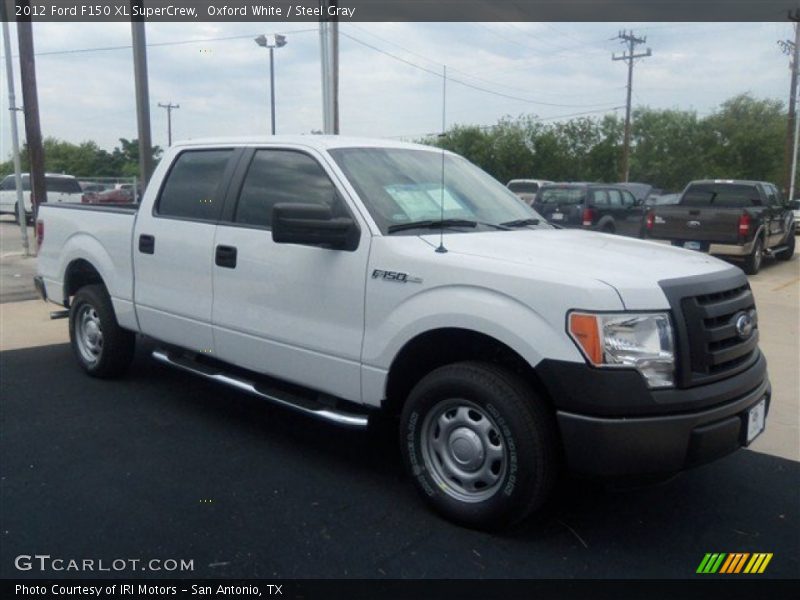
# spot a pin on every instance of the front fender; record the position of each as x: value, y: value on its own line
x: 474, y: 308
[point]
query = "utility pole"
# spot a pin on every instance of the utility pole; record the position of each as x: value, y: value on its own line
x: 169, y: 106
x: 790, y: 161
x: 12, y: 113
x: 30, y: 100
x: 629, y: 57
x: 329, y: 60
x: 142, y: 95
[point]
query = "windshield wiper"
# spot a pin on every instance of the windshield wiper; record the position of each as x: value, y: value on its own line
x: 431, y: 224
x: 521, y: 223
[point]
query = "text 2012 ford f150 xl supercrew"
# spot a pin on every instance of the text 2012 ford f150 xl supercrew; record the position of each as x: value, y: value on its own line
x: 341, y: 276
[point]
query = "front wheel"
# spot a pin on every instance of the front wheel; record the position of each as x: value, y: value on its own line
x: 479, y: 444
x: 102, y: 347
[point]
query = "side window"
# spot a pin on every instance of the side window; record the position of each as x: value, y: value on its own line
x: 7, y: 184
x: 279, y: 176
x: 192, y: 187
x: 599, y: 198
x: 773, y: 196
x: 627, y: 198
x: 614, y: 198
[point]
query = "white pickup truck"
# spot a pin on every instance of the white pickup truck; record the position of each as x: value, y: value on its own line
x: 342, y: 276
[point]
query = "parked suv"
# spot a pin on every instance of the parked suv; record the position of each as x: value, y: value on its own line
x: 609, y: 208
x: 60, y: 188
x: 737, y: 219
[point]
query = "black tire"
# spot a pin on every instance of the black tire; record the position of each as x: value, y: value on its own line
x: 512, y: 418
x: 608, y: 228
x: 790, y: 244
x: 115, y: 346
x: 752, y: 264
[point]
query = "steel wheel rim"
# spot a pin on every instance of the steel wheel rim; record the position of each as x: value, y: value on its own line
x: 89, y: 333
x: 759, y: 254
x: 464, y: 450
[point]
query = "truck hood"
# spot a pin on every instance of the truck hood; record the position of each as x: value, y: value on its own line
x: 633, y: 267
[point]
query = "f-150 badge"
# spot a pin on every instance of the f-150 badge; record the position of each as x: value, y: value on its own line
x: 397, y: 276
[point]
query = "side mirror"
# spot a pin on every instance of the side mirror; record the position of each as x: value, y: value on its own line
x: 312, y: 225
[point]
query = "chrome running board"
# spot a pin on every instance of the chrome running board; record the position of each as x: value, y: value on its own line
x: 298, y: 403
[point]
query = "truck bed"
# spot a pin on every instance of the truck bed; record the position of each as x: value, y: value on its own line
x: 71, y: 229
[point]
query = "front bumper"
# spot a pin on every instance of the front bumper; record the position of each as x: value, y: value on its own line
x: 614, y: 447
x: 612, y: 425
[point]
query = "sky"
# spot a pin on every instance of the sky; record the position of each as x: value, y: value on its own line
x: 390, y: 82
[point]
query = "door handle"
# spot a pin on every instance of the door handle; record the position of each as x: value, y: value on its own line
x: 147, y: 244
x: 225, y: 256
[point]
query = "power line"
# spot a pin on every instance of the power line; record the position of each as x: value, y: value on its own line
x: 451, y: 68
x: 160, y: 44
x: 465, y: 83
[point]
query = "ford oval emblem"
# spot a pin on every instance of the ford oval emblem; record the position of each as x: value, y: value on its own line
x: 744, y: 325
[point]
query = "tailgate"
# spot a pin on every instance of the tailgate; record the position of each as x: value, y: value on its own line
x: 691, y: 224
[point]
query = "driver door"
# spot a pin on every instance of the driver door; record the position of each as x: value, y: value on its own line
x: 290, y: 311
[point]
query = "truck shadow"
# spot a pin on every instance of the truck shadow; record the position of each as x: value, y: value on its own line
x: 136, y: 457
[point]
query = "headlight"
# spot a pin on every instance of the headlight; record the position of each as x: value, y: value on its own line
x: 643, y: 341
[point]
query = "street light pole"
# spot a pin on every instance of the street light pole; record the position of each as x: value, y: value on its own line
x: 12, y: 113
x: 271, y: 42
x: 272, y: 87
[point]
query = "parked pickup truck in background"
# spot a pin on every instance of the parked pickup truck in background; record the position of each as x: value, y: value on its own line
x: 741, y: 220
x: 605, y: 207
x: 344, y: 277
x: 60, y: 188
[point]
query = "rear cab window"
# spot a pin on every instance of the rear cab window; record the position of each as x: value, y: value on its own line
x: 62, y: 185
x: 562, y: 195
x: 721, y: 195
x: 523, y: 187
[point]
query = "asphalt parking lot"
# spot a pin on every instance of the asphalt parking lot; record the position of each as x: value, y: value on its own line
x: 165, y: 465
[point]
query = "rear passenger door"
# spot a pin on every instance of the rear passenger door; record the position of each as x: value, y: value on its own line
x: 633, y: 214
x: 173, y: 249
x: 773, y: 216
x: 291, y: 311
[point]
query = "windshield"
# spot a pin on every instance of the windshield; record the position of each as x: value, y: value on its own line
x: 523, y: 187
x: 721, y: 194
x: 562, y: 195
x: 400, y: 186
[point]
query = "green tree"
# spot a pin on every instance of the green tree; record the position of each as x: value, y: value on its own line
x: 745, y: 139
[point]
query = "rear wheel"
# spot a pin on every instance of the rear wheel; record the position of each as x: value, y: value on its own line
x: 479, y: 444
x: 752, y: 264
x: 789, y: 251
x: 102, y: 347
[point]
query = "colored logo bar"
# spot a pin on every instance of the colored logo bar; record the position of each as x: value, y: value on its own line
x: 734, y: 562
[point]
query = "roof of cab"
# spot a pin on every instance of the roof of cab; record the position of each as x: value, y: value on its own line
x: 319, y: 142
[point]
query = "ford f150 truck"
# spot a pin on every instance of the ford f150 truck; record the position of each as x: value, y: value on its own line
x: 740, y: 220
x: 340, y: 277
